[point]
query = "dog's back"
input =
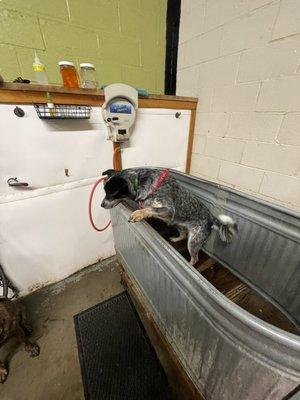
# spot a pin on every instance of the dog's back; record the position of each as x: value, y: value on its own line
x: 189, y: 208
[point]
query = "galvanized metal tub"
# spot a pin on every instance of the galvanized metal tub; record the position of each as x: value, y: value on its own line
x: 228, y: 353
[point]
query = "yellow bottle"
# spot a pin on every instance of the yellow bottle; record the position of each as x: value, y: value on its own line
x: 40, y: 71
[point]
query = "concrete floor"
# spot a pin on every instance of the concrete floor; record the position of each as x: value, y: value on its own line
x: 55, y: 374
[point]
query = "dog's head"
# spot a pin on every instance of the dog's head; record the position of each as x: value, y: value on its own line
x: 116, y: 189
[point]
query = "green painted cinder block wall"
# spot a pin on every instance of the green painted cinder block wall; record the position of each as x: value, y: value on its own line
x: 124, y: 39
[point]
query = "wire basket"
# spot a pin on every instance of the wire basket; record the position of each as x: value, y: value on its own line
x: 62, y: 111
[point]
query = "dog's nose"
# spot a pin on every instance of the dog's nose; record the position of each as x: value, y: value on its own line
x: 103, y: 204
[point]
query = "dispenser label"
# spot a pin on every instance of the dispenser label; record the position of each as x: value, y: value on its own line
x: 38, y: 67
x: 120, y: 108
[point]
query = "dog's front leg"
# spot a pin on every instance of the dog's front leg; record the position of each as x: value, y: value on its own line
x: 144, y: 213
x: 182, y: 234
x: 31, y: 348
x: 3, y: 372
x: 24, y: 322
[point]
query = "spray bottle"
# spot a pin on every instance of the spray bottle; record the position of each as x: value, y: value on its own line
x: 40, y: 71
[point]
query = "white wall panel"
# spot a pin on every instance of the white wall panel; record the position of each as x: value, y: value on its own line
x: 158, y: 139
x: 45, y: 233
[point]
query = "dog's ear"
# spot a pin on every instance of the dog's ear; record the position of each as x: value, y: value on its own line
x: 123, y: 187
x: 116, y: 185
x: 109, y: 172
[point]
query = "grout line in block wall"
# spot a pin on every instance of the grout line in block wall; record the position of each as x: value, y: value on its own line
x: 264, y: 5
x: 219, y: 170
x: 204, y: 13
x: 247, y: 13
x: 119, y: 16
x: 264, y: 196
x: 140, y: 53
x: 250, y: 140
x: 247, y: 140
x: 276, y: 19
x: 68, y: 10
x: 259, y: 195
x: 98, y: 40
x: 284, y: 37
x: 237, y: 163
x: 216, y: 28
x: 204, y: 176
x: 242, y: 153
x: 297, y: 172
x: 287, y: 204
x: 70, y: 23
x: 238, y: 68
x: 211, y: 100
x: 221, y: 41
x: 34, y: 14
x: 42, y: 34
x: 19, y: 63
x: 202, y: 148
x: 279, y: 128
x: 21, y: 46
x: 228, y: 125
x: 77, y: 25
x: 261, y: 182
x: 258, y: 94
x: 219, y: 58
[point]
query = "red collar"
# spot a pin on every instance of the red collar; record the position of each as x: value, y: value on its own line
x: 160, y: 180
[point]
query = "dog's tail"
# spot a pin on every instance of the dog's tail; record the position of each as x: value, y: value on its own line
x: 226, y: 227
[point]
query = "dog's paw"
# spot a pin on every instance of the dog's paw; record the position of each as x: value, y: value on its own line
x: 175, y: 239
x: 136, y: 216
x: 3, y: 374
x: 33, y: 350
x: 27, y: 330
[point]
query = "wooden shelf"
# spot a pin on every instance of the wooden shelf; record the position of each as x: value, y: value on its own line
x: 22, y: 93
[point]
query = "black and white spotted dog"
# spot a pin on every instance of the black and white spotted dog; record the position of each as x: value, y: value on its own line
x: 161, y: 196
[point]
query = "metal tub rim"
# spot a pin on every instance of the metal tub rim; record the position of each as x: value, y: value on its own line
x: 258, y: 200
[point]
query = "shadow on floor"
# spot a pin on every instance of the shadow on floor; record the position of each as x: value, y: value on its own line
x: 55, y: 374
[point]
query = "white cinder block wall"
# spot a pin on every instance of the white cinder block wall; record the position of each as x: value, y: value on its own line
x: 241, y: 58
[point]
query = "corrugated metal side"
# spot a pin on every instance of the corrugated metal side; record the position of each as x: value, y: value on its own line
x: 266, y: 253
x: 228, y: 353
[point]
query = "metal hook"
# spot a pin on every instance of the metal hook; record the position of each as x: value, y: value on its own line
x: 13, y: 182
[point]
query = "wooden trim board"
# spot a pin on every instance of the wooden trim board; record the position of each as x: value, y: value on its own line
x: 190, y: 142
x: 87, y: 92
x: 21, y: 93
x: 28, y: 97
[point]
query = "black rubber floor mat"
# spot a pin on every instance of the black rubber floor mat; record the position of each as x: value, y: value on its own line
x: 116, y: 357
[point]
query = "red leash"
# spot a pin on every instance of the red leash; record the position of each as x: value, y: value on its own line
x: 160, y: 180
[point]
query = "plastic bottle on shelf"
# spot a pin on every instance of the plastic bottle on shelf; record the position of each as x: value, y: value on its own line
x: 40, y: 71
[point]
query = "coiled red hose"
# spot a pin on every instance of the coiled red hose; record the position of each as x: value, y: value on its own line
x: 92, y: 195
x: 90, y: 207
